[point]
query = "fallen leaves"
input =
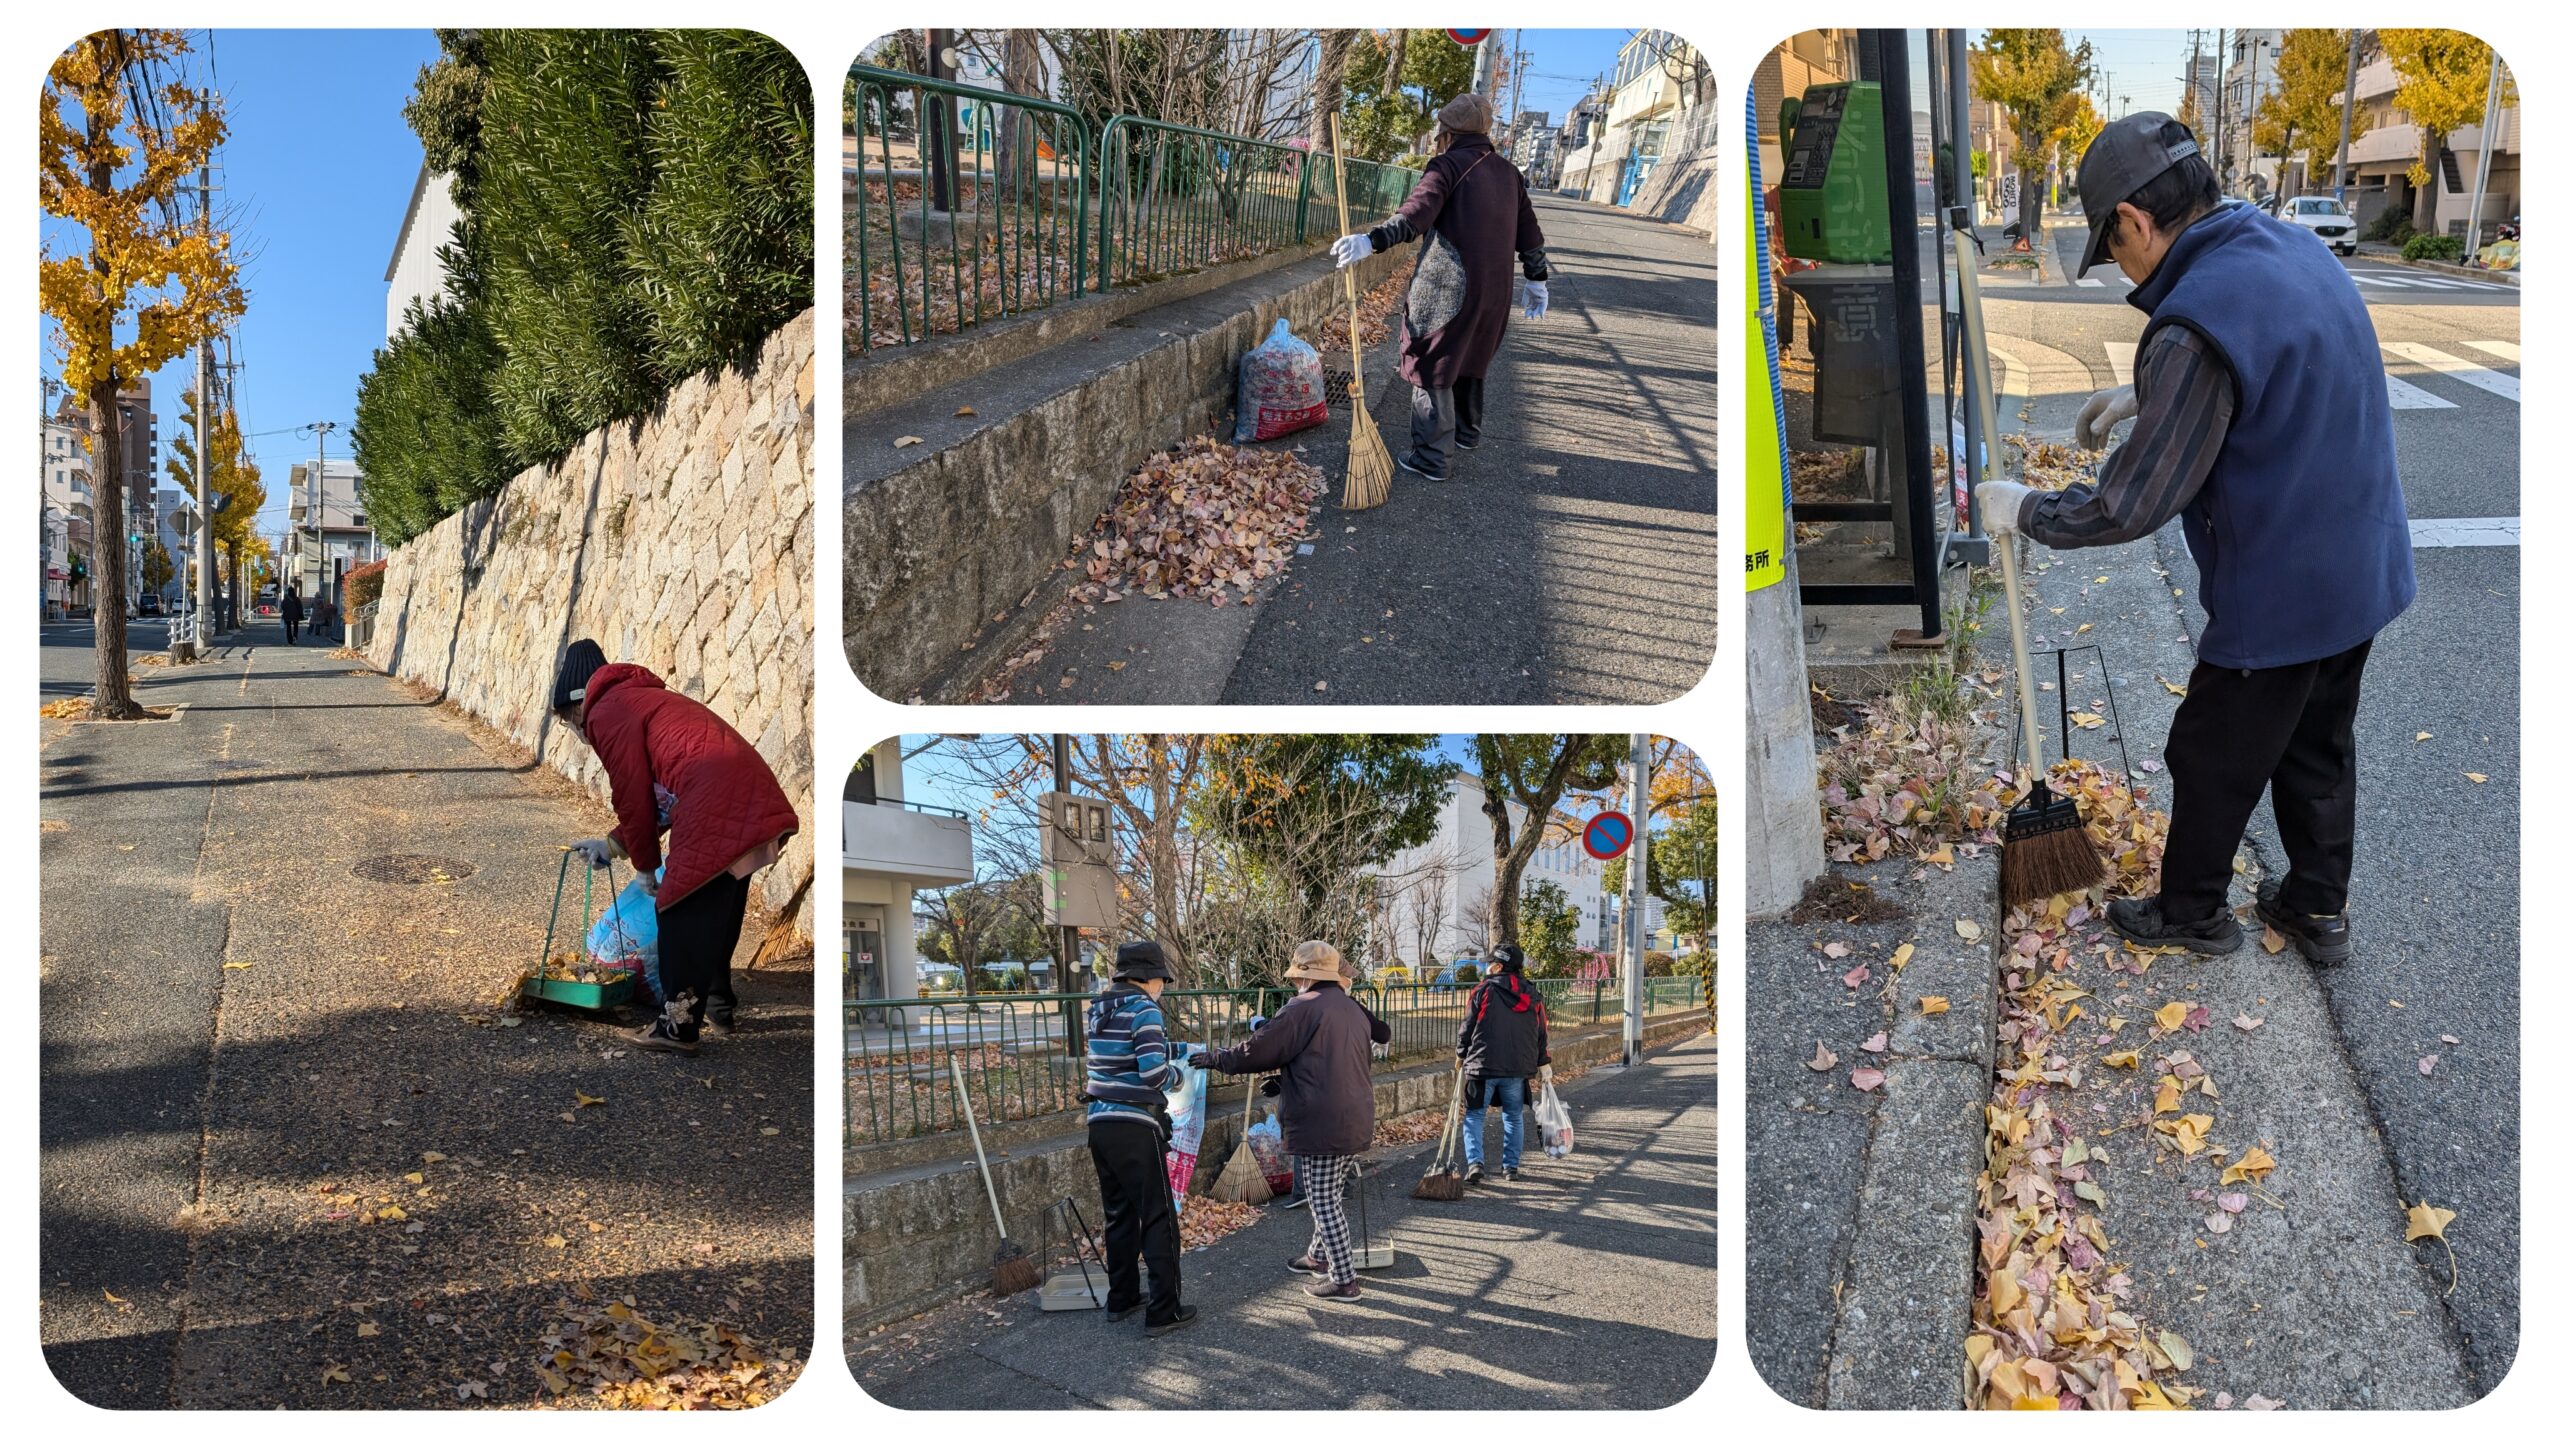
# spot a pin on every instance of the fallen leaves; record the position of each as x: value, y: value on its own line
x: 1933, y: 1004
x: 1888, y: 784
x: 1202, y: 521
x: 1823, y: 1059
x: 2252, y: 1167
x: 2426, y: 1221
x: 613, y: 1355
x: 1866, y: 1077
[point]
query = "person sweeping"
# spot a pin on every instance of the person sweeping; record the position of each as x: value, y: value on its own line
x: 1319, y: 1043
x: 678, y: 770
x: 1128, y: 1070
x: 2262, y: 422
x: 1501, y: 1042
x: 1472, y: 214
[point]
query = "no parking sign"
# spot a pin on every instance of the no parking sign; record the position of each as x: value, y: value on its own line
x: 1467, y: 37
x: 1607, y: 835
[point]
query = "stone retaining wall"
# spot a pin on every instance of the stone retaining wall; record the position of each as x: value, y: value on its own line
x: 682, y: 541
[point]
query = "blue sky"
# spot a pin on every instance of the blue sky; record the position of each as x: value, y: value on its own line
x: 1563, y: 63
x: 314, y: 178
x: 2148, y: 66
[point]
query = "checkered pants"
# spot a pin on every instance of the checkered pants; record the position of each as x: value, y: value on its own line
x: 1325, y: 1175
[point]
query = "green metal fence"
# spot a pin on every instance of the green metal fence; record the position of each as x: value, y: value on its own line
x: 1021, y: 1055
x: 1176, y: 199
x: 965, y: 204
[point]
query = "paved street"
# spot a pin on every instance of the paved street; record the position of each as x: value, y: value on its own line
x: 2339, y: 1090
x: 292, y: 1151
x: 1590, y: 1284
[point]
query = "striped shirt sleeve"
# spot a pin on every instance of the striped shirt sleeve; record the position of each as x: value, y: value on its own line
x: 2187, y: 399
x: 1152, y: 1051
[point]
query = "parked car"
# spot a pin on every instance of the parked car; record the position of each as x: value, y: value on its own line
x: 147, y: 604
x: 2325, y: 218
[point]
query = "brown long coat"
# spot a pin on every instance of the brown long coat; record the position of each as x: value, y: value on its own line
x: 1472, y: 213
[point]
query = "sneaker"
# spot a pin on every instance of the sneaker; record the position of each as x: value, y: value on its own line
x: 1305, y: 1264
x: 1336, y: 1293
x: 1114, y: 1316
x: 721, y: 1022
x: 1475, y: 1174
x: 1407, y: 463
x: 1468, y: 444
x: 2322, y: 938
x: 1511, y: 1175
x: 658, y: 1035
x: 2139, y: 921
x: 1181, y: 1316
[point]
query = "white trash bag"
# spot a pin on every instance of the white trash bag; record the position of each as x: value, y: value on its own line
x: 1555, y: 1121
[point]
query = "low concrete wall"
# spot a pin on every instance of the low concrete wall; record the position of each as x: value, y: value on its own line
x: 681, y: 541
x: 952, y: 539
x: 919, y: 1236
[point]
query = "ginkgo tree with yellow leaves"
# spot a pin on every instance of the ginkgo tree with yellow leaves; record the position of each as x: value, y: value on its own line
x: 2444, y: 85
x: 128, y: 280
x: 233, y: 479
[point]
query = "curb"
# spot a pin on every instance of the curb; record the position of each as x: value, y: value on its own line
x: 1906, y: 1300
x: 2512, y: 279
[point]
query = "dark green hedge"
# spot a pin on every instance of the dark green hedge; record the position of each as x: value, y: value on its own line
x: 638, y: 206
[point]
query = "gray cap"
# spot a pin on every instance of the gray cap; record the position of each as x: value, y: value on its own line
x: 2127, y: 155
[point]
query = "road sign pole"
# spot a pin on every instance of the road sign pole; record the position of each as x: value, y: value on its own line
x: 1632, y: 929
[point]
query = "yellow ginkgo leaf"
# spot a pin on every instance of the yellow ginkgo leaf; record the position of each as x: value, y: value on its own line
x: 2427, y: 1222
x: 586, y: 1099
x: 1933, y: 1004
x: 2249, y: 1168
x: 2170, y: 1015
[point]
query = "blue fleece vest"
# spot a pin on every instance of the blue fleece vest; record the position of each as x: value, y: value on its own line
x: 2300, y: 534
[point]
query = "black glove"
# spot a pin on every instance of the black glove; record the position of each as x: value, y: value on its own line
x: 1271, y: 1087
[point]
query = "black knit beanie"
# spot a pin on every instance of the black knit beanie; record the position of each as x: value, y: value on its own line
x: 578, y: 664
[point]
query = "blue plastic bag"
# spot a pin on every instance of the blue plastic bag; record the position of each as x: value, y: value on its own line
x: 625, y: 938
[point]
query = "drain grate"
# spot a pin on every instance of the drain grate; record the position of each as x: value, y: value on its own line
x: 413, y: 869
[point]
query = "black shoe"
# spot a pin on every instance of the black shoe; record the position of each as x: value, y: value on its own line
x: 1475, y: 1174
x: 2322, y: 938
x: 1181, y: 1316
x: 721, y: 1022
x: 660, y: 1035
x: 1407, y: 463
x: 2139, y: 921
x: 1468, y: 444
x: 1511, y: 1175
x: 1114, y: 1316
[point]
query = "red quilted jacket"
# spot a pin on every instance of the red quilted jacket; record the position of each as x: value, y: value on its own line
x: 679, y: 769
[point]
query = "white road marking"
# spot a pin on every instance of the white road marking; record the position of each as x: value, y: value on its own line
x: 2364, y: 278
x: 2450, y: 534
x: 2507, y: 350
x: 2469, y: 372
x: 2089, y: 284
x: 2120, y: 355
x: 2406, y: 396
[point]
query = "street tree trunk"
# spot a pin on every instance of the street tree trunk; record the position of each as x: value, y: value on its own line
x: 1324, y: 96
x: 1512, y: 853
x: 114, y: 698
x: 2422, y: 205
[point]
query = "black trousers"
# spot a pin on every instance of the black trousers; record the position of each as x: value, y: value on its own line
x: 1440, y: 414
x: 291, y: 625
x: 1137, y: 1215
x: 2240, y: 732
x: 695, y: 941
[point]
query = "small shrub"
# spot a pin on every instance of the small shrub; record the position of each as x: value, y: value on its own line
x: 364, y: 584
x: 2389, y: 224
x: 2431, y: 247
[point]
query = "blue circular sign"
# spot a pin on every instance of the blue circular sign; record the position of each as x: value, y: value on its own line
x: 1467, y: 37
x: 1608, y: 835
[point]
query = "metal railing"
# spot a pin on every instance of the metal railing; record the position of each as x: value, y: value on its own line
x: 1177, y: 199
x: 966, y: 204
x: 1020, y: 1054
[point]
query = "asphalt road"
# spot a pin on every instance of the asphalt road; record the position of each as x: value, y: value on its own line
x: 2437, y: 900
x: 1569, y: 560
x: 2381, y: 281
x: 293, y: 1155
x: 1590, y: 1284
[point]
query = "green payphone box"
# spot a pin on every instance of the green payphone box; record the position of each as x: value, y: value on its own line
x: 1832, y: 199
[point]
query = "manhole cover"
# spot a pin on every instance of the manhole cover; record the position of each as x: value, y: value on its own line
x: 413, y: 869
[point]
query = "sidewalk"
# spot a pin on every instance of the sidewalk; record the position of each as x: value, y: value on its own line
x: 293, y: 1152
x: 1590, y: 1284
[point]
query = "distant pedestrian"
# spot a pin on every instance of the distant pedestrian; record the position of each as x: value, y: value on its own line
x: 324, y: 617
x: 1128, y: 1071
x: 1501, y: 1042
x: 679, y: 770
x: 292, y: 612
x: 1472, y: 214
x: 1319, y: 1042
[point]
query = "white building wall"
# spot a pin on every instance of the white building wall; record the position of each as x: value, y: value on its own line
x: 1464, y: 845
x: 415, y: 273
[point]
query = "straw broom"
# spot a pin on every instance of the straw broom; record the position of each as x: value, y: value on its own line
x: 1370, y: 469
x: 1241, y: 1181
x: 1442, y: 1180
x: 1011, y: 1271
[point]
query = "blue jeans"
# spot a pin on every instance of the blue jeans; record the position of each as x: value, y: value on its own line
x: 1512, y: 1094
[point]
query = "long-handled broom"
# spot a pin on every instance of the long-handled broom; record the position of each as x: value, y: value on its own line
x: 1011, y: 1271
x: 1370, y: 469
x: 1241, y: 1181
x: 2044, y: 844
x: 1442, y: 1180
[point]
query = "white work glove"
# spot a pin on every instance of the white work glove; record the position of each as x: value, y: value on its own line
x: 1533, y: 300
x: 2102, y: 413
x: 2000, y: 501
x: 648, y: 881
x: 1351, y: 250
x: 596, y: 852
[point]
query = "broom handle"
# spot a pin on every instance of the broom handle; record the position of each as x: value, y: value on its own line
x: 1969, y: 286
x: 961, y: 1084
x: 1350, y: 287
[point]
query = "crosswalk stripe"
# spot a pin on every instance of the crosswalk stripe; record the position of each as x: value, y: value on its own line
x: 2455, y: 533
x: 2469, y: 372
x: 2379, y: 281
x: 2406, y: 396
x: 2089, y: 284
x: 2120, y: 355
x: 2507, y: 350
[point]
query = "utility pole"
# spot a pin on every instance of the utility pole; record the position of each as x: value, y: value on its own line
x: 1071, y: 1009
x: 1631, y: 930
x: 2347, y: 115
x: 203, y: 588
x: 312, y: 512
x: 2221, y: 88
x: 2489, y: 118
x: 1483, y: 81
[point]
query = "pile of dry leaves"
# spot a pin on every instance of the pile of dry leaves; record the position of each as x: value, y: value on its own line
x: 1890, y: 786
x: 611, y: 1355
x: 2051, y: 1330
x: 1204, y: 520
x: 1205, y: 1221
x: 73, y: 708
x: 1381, y: 313
x: 2049, y: 466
